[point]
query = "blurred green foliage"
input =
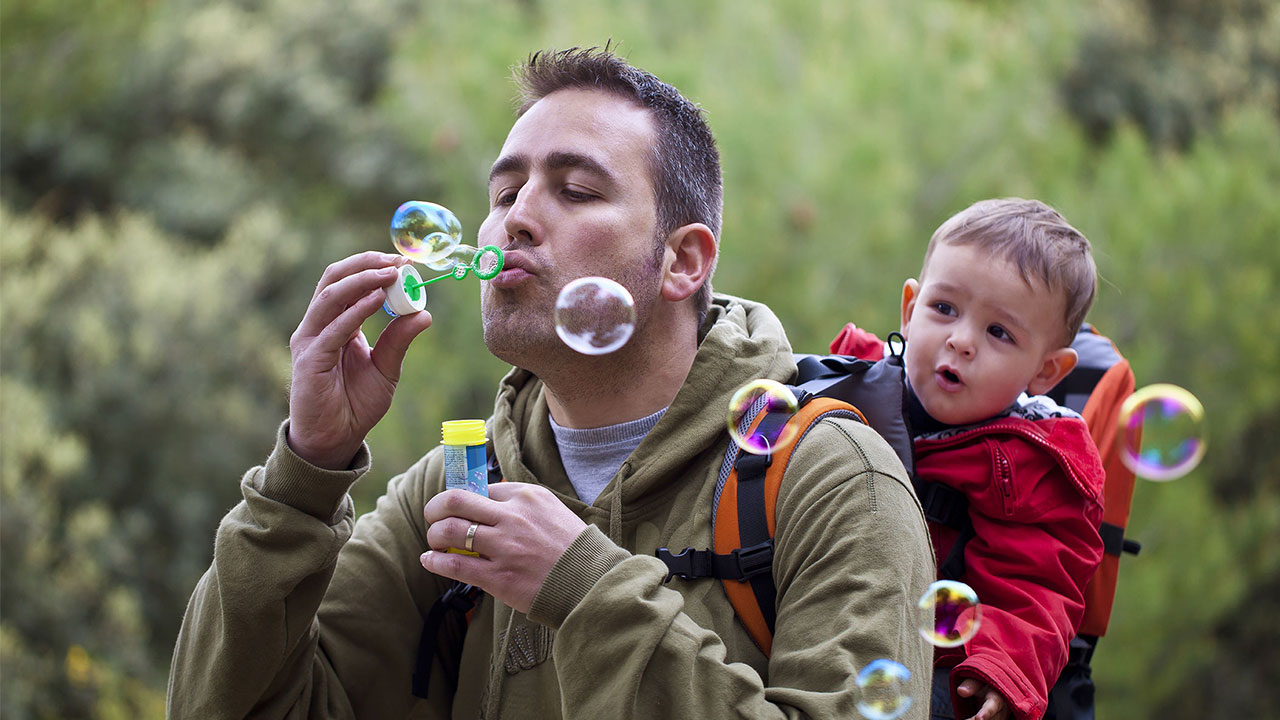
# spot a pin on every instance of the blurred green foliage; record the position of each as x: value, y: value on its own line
x: 175, y: 176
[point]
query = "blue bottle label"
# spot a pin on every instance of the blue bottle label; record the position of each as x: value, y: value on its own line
x: 464, y: 468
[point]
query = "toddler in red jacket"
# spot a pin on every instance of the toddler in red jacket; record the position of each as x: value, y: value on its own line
x: 1004, y: 287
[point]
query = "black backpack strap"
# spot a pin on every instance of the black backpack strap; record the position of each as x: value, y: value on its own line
x: 753, y: 562
x: 947, y: 506
x: 450, y: 607
x: 753, y: 522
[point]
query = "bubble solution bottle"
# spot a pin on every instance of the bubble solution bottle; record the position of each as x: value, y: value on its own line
x: 464, y: 456
x: 465, y: 461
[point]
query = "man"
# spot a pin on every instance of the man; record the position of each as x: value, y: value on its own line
x: 607, y: 171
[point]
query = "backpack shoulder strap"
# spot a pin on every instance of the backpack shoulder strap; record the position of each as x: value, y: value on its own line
x: 745, y: 519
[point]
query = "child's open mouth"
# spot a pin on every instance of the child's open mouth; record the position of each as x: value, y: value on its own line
x: 948, y: 379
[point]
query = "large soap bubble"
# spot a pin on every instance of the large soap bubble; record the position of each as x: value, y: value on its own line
x: 425, y: 232
x: 1162, y: 432
x: 595, y: 315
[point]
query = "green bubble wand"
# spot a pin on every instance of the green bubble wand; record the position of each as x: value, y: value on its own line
x: 431, y: 234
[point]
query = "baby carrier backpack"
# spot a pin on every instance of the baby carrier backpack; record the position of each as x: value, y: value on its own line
x: 873, y: 392
x: 743, y: 519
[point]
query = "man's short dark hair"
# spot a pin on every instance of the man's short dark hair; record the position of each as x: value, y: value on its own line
x: 684, y: 163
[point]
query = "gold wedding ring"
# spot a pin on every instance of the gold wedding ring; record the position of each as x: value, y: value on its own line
x: 471, y: 537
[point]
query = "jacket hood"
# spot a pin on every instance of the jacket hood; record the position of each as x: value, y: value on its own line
x: 742, y: 341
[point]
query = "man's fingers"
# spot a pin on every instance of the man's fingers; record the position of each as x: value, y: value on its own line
x: 463, y: 505
x: 452, y: 533
x: 393, y: 343
x: 967, y: 688
x: 455, y: 566
x: 344, y: 329
x: 333, y: 300
x: 507, y: 491
x: 369, y: 260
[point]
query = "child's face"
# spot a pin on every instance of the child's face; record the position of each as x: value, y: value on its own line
x: 978, y: 335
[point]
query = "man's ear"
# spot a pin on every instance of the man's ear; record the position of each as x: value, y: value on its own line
x: 1056, y: 365
x: 910, y: 293
x: 687, y: 262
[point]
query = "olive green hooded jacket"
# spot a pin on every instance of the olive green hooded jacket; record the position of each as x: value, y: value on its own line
x: 306, y: 613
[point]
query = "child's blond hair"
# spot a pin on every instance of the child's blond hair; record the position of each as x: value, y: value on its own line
x: 1037, y: 239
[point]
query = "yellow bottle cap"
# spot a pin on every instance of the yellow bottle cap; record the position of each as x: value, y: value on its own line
x: 463, y: 432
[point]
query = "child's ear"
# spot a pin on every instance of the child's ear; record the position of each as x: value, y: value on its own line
x: 910, y: 292
x: 1056, y: 365
x: 689, y: 257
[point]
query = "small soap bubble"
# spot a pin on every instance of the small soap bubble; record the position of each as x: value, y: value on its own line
x: 949, y: 613
x: 425, y: 232
x: 753, y: 400
x: 459, y: 255
x: 595, y: 315
x: 882, y: 690
x: 1162, y: 432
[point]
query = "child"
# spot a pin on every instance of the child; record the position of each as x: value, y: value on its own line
x: 1004, y: 287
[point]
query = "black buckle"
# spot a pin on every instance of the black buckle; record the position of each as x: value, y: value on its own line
x: 754, y: 560
x: 678, y: 564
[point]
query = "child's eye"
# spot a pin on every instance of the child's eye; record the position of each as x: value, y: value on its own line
x: 944, y: 308
x: 999, y: 333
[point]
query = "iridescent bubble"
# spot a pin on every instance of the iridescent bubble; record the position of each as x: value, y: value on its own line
x: 595, y: 315
x: 949, y: 613
x: 758, y: 414
x: 425, y: 232
x: 1162, y: 432
x: 882, y: 690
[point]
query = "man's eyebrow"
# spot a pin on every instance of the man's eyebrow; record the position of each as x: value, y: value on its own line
x: 563, y: 160
x: 507, y: 164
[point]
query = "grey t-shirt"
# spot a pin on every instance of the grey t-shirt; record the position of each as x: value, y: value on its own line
x: 592, y: 456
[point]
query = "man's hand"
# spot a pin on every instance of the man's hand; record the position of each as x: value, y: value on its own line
x: 341, y: 387
x: 522, y: 531
x: 994, y: 706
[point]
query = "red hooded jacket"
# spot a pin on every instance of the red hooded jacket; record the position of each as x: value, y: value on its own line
x: 1035, y: 499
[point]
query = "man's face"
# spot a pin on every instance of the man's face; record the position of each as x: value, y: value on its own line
x: 570, y: 195
x: 976, y: 334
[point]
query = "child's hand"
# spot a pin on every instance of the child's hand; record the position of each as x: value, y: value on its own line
x: 994, y: 706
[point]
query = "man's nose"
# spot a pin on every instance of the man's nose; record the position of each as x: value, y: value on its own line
x: 523, y: 221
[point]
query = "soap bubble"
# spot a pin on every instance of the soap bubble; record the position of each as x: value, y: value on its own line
x: 595, y: 315
x: 949, y: 613
x: 459, y: 255
x: 1162, y: 432
x: 882, y: 690
x: 754, y: 400
x: 425, y: 232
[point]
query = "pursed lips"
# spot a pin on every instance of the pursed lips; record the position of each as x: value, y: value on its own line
x: 517, y: 266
